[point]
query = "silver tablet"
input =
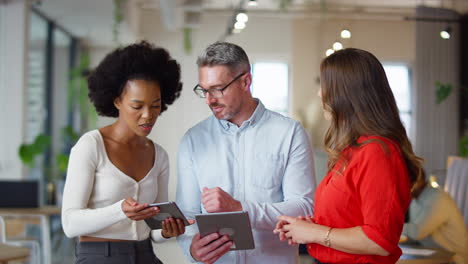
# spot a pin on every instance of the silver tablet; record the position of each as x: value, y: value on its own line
x: 234, y: 224
x: 167, y: 210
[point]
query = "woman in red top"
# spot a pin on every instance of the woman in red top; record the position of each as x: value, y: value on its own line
x: 361, y: 203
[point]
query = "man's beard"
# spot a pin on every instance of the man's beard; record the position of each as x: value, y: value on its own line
x: 226, y: 116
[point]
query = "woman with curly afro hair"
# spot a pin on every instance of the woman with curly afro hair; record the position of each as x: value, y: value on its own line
x: 115, y: 172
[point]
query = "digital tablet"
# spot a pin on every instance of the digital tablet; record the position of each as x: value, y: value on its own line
x: 167, y: 210
x: 234, y: 224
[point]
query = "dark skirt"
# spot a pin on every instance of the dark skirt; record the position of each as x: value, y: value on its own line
x: 134, y: 252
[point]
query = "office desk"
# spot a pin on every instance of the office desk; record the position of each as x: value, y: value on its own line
x: 12, y: 253
x: 43, y: 214
x: 440, y: 256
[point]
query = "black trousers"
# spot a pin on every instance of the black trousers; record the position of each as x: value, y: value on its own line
x: 137, y: 252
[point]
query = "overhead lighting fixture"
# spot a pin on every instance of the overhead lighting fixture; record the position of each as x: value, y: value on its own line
x: 242, y: 17
x: 345, y: 34
x: 236, y: 31
x: 252, y: 3
x: 329, y: 52
x: 445, y: 34
x: 433, y: 181
x: 337, y: 45
x: 239, y: 25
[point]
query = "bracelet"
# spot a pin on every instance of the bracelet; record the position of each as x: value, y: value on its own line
x: 327, y: 238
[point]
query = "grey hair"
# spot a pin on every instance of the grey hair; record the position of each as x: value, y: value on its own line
x: 226, y: 54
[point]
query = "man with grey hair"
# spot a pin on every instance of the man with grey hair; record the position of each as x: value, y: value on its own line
x: 243, y: 158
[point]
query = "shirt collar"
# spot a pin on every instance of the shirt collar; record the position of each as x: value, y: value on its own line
x: 254, y: 118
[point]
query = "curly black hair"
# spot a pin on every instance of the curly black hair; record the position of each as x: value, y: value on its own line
x: 141, y: 61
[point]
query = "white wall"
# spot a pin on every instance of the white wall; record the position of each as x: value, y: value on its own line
x: 13, y: 47
x: 387, y: 40
x: 436, y: 125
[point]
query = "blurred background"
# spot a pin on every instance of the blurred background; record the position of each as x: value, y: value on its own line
x: 48, y: 46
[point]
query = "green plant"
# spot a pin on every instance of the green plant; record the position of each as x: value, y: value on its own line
x: 61, y: 159
x: 284, y: 4
x: 29, y: 152
x: 463, y: 146
x: 78, y: 89
x: 118, y: 18
x: 443, y: 90
x: 188, y: 40
x: 77, y: 93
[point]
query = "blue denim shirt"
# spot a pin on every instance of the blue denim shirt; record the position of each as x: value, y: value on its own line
x: 266, y: 164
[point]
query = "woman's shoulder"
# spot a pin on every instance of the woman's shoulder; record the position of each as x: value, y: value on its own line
x: 161, y: 153
x: 377, y: 150
x: 88, y: 140
x: 377, y: 145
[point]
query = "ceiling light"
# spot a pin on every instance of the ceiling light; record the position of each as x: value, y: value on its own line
x: 329, y: 52
x: 242, y: 17
x: 337, y: 45
x: 236, y: 31
x: 239, y: 25
x: 433, y: 181
x: 346, y: 34
x: 252, y: 3
x: 445, y: 34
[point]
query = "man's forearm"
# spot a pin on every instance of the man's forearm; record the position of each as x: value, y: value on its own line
x: 263, y: 216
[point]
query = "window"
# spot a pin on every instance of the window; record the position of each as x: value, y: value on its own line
x: 398, y: 76
x: 37, y: 89
x: 270, y: 84
x: 36, y: 119
x: 60, y: 105
x: 50, y: 57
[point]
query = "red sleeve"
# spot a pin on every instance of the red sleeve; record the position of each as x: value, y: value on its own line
x: 383, y: 187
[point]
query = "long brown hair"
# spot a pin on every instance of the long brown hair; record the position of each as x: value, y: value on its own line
x: 355, y: 91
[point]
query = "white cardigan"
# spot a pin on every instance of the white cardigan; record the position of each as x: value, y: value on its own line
x: 95, y: 189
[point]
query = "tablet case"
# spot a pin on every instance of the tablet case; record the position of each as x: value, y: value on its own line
x: 167, y: 210
x: 234, y: 224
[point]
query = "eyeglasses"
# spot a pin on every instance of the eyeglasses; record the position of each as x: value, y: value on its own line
x: 215, y: 92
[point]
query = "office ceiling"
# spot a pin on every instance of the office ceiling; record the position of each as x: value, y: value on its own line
x: 93, y: 20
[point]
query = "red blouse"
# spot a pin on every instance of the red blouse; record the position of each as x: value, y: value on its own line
x: 372, y: 192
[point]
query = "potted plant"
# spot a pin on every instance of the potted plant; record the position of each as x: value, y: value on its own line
x: 55, y: 172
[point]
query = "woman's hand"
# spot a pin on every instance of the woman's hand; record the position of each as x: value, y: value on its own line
x: 297, y: 230
x: 136, y: 211
x: 173, y: 227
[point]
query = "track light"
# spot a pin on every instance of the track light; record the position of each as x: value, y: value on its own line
x: 242, y: 17
x: 252, y: 3
x: 337, y: 45
x: 445, y: 34
x: 239, y: 25
x: 329, y: 52
x: 345, y: 34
